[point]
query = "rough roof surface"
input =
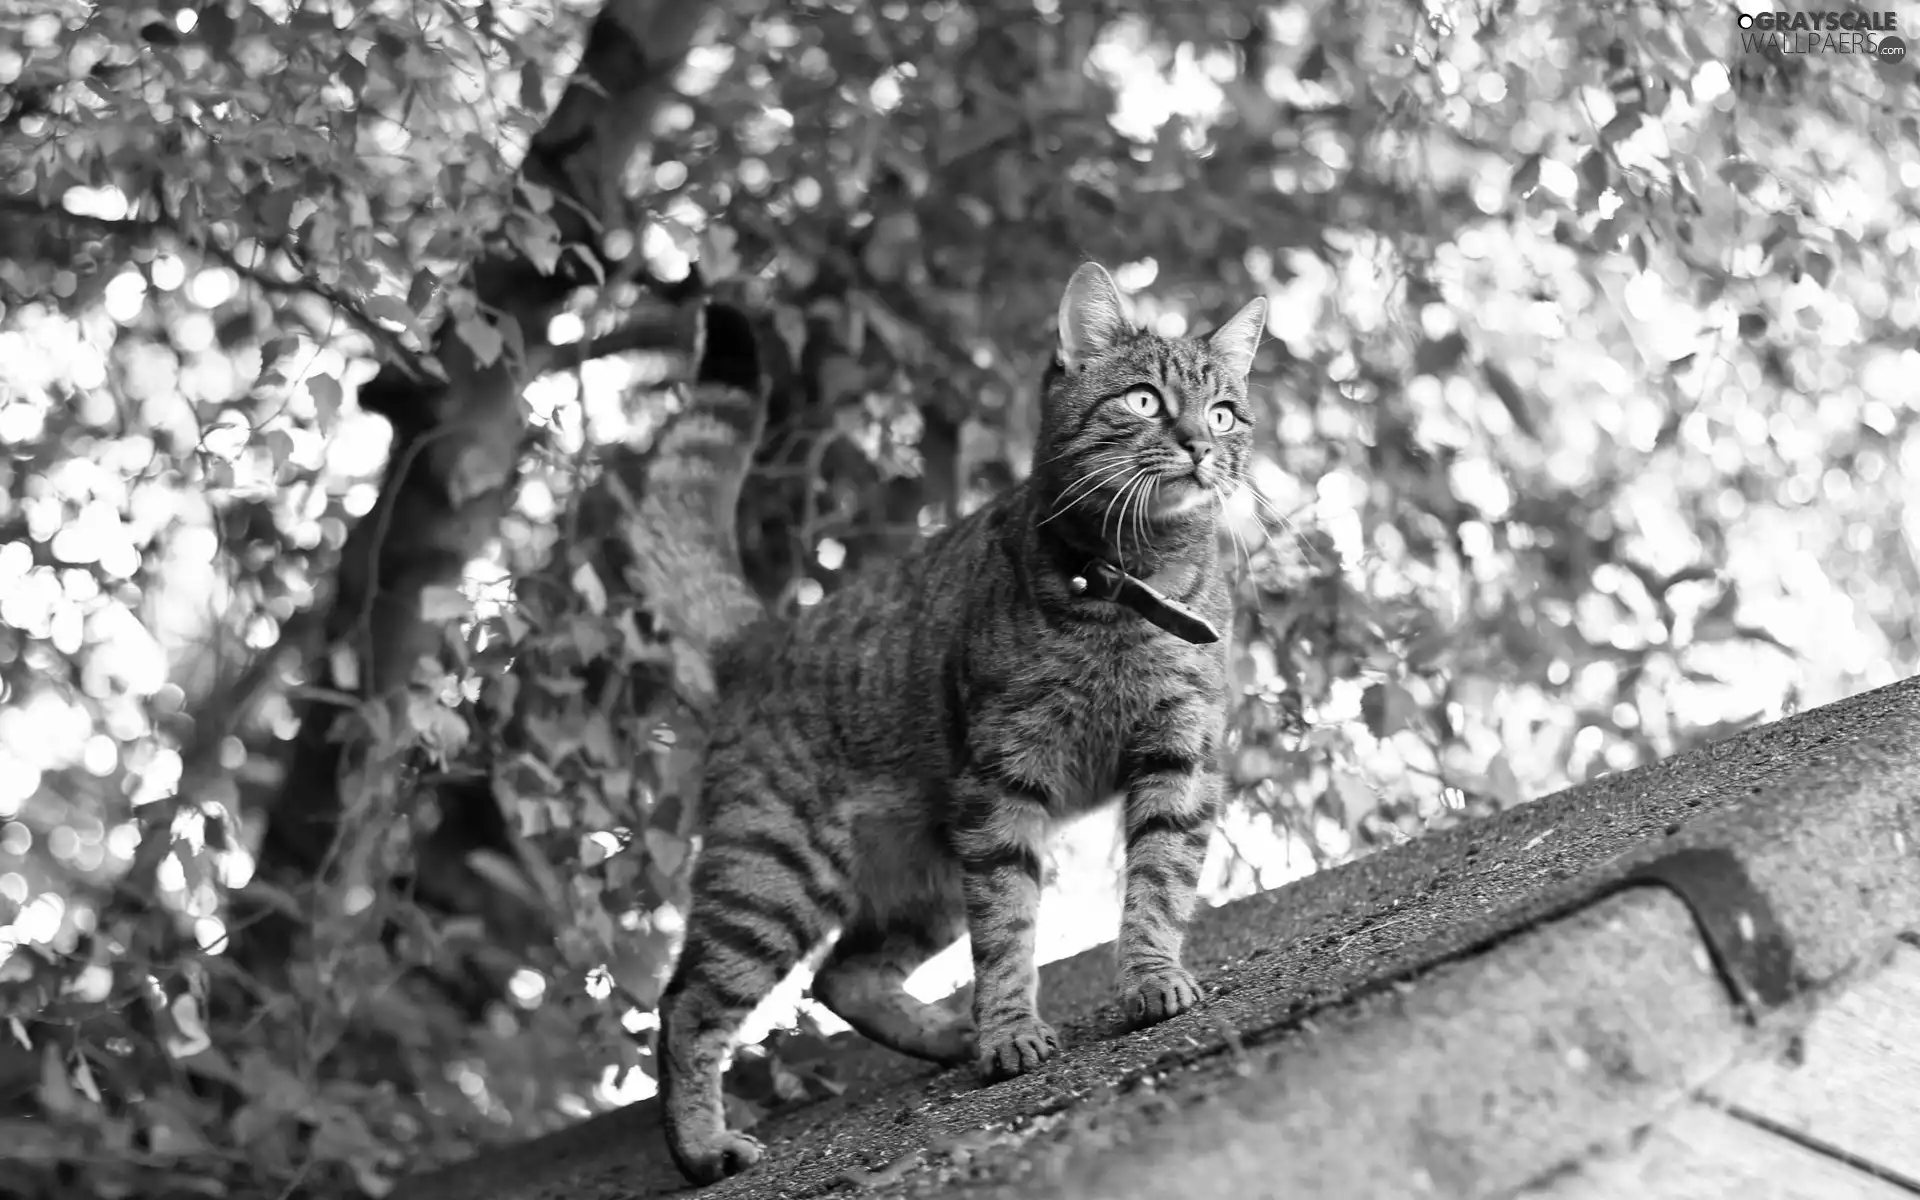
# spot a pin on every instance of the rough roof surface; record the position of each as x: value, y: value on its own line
x: 1453, y: 1017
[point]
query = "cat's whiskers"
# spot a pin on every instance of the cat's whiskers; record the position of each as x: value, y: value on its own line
x: 1272, y: 514
x: 1125, y: 493
x: 1120, y: 498
x: 1066, y: 450
x: 1130, y: 512
x: 1068, y: 499
x: 1143, y: 511
x: 1233, y: 528
x: 1141, y: 515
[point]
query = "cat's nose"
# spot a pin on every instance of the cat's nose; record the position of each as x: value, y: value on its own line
x: 1202, y: 453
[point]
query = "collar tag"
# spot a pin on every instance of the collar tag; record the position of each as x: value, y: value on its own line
x: 1104, y: 581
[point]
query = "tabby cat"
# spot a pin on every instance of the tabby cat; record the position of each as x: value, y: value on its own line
x: 887, y: 765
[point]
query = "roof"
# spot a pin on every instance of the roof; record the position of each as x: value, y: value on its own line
x: 1472, y: 1012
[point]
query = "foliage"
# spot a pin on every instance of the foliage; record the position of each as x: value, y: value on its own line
x: 1591, y: 415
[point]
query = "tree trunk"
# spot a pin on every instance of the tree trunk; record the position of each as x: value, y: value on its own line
x: 456, y: 444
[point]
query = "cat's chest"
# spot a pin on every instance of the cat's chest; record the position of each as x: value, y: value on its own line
x: 1062, y: 726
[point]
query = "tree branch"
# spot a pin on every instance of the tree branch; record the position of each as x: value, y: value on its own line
x: 651, y: 331
x: 147, y: 230
x: 391, y: 348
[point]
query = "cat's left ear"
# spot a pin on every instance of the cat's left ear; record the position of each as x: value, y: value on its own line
x: 1093, y: 319
x: 1239, y: 338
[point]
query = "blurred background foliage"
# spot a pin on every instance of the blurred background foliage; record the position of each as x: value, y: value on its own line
x: 1591, y: 430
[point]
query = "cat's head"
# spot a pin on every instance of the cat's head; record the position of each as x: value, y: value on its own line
x: 1142, y: 434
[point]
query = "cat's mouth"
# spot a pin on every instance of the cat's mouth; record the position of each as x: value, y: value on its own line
x: 1181, y: 495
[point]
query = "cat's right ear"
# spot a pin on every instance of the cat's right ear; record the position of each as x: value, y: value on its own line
x: 1092, y: 319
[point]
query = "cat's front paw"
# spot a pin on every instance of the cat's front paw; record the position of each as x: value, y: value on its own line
x: 1152, y: 997
x: 709, y: 1160
x: 1015, y: 1048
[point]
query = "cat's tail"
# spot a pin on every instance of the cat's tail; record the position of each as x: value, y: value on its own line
x: 686, y: 554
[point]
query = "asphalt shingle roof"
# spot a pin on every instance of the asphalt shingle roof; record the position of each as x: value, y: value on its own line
x: 1453, y: 1017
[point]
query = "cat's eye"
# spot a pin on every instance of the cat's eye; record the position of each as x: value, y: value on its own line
x: 1143, y: 402
x: 1222, y: 418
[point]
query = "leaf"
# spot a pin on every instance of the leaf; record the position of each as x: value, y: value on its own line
x: 280, y: 447
x: 325, y: 390
x: 189, y: 1035
x: 83, y: 1078
x: 591, y: 261
x: 1696, y: 44
x: 532, y: 97
x: 1594, y: 176
x: 1356, y: 798
x: 516, y: 341
x: 1502, y: 782
x: 1527, y: 177
x: 421, y: 292
x: 352, y: 73
x: 275, y: 897
x: 537, y: 237
x: 504, y: 874
x: 596, y: 738
x: 1387, y: 708
x: 637, y: 647
x: 1784, y: 227
x: 1755, y: 633
x: 1439, y: 355
x: 1314, y: 66
x: 440, y: 730
x: 1255, y: 763
x: 1819, y: 266
x: 374, y: 717
x: 56, y: 1086
x: 586, y: 581
x: 741, y: 1114
x: 667, y: 850
x: 827, y: 1083
x: 1693, y: 574
x: 274, y: 349
x: 539, y: 198
x: 390, y: 308
x: 718, y: 258
x: 788, y: 1087
x: 216, y: 28
x: 1669, y: 53
x: 546, y: 882
x: 1741, y: 175
x: 1512, y: 399
x: 443, y: 602
x: 481, y: 338
x: 1624, y: 125
x: 516, y: 625
x: 345, y: 666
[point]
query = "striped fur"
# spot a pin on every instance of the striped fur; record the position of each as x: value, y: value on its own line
x: 888, y: 765
x: 686, y: 559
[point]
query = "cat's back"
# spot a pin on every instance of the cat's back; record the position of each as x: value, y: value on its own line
x: 880, y: 641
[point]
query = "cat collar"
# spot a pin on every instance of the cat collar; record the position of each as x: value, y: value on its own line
x: 1101, y: 580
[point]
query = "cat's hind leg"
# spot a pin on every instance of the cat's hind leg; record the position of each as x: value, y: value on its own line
x: 763, y: 900
x: 863, y: 980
